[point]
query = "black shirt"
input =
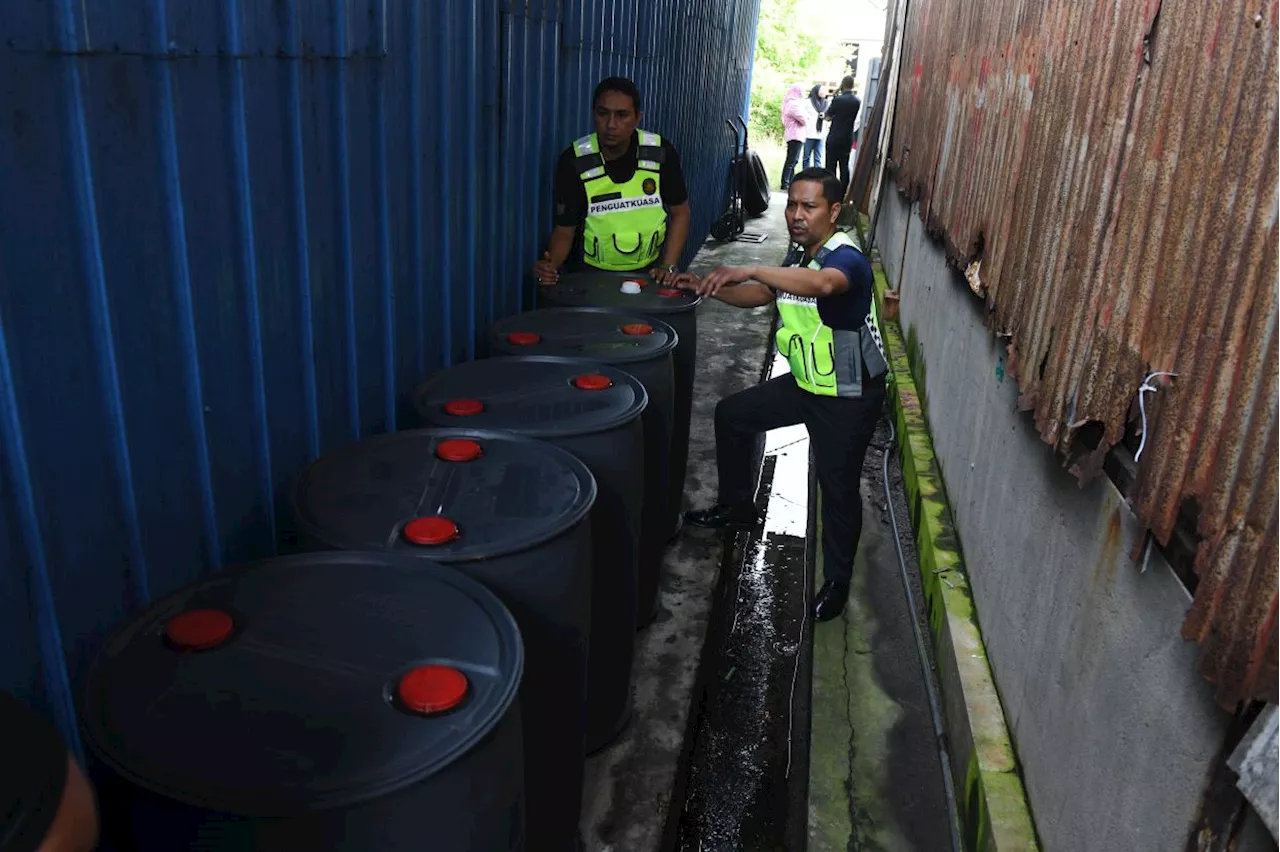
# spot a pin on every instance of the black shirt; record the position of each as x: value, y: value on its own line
x: 571, y: 196
x: 843, y: 112
x: 33, y: 773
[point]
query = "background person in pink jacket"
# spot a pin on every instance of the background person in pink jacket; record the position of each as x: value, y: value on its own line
x: 793, y: 132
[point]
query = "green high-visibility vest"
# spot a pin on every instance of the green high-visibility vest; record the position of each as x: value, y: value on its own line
x: 626, y: 223
x: 827, y: 361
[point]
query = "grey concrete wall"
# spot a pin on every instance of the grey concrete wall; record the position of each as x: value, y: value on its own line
x: 1114, y: 729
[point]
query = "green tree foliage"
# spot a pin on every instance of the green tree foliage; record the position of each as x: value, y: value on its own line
x: 796, y: 43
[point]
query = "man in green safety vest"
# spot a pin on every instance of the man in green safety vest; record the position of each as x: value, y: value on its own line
x: 621, y: 204
x: 836, y: 386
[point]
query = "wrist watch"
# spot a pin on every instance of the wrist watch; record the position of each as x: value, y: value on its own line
x: 672, y: 268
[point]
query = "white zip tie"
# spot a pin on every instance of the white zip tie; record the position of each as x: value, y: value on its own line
x: 1144, y: 389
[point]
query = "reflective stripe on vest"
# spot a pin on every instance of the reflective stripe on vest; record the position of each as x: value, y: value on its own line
x: 823, y: 360
x: 626, y: 223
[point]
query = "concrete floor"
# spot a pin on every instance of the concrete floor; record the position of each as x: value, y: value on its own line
x: 875, y: 778
x: 805, y: 733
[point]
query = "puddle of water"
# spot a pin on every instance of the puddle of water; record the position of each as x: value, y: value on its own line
x: 738, y: 783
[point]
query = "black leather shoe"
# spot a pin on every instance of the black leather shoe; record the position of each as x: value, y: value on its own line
x: 830, y: 601
x: 742, y: 517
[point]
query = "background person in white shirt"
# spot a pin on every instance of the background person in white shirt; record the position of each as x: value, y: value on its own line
x: 815, y: 131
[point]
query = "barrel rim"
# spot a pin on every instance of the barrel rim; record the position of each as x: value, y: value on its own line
x: 423, y: 403
x: 657, y: 306
x: 587, y: 493
x: 100, y: 741
x: 499, y: 329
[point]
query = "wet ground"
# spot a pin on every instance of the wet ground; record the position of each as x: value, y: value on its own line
x: 813, y: 735
x: 753, y: 730
x: 747, y: 773
x: 631, y: 784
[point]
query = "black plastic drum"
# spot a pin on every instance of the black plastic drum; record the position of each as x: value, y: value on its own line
x: 339, y: 701
x: 676, y: 307
x: 511, y: 512
x: 643, y: 347
x: 594, y: 412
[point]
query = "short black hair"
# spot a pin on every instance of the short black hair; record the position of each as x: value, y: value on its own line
x: 831, y: 188
x: 847, y: 83
x: 617, y: 84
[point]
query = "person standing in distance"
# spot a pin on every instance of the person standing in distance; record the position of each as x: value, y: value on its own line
x: 842, y: 112
x: 621, y: 204
x: 836, y: 386
x: 815, y: 133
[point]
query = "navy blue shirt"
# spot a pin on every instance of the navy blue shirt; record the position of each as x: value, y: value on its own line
x: 848, y: 311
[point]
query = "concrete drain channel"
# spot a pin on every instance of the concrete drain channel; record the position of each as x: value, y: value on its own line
x: 744, y: 779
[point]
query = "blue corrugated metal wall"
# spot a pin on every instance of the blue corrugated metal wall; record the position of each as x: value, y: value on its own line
x: 233, y: 234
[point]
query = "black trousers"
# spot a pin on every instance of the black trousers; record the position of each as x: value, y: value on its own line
x: 794, y: 147
x: 840, y: 430
x: 838, y: 151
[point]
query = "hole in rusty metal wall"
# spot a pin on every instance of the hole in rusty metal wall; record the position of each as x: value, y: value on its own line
x: 979, y: 246
x: 1180, y: 552
x: 1082, y: 441
x: 1189, y: 512
x: 1089, y: 435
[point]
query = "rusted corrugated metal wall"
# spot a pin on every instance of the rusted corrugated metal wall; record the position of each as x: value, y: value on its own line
x: 1106, y: 174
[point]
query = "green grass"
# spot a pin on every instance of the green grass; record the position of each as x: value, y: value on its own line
x: 773, y: 154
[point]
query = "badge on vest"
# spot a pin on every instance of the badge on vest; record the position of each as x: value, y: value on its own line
x: 649, y: 186
x: 784, y: 297
x: 620, y: 205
